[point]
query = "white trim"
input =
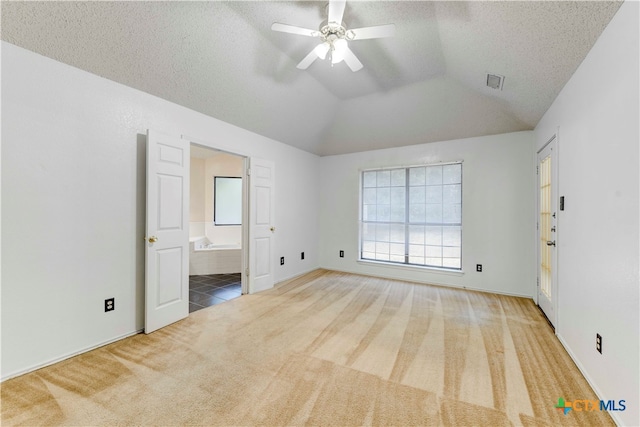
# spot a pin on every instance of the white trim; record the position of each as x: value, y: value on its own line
x: 295, y: 276
x: 425, y: 282
x: 69, y: 355
x: 215, y: 146
x: 583, y: 371
x: 412, y: 267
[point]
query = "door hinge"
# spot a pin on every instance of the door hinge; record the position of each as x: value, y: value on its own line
x: 249, y: 172
x: 537, y: 170
x: 538, y: 281
x: 247, y: 272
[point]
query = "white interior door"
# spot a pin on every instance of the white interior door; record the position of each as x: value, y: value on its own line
x: 547, y: 229
x: 167, y: 239
x: 261, y: 225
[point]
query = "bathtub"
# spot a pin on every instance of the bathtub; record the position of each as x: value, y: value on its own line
x: 208, y: 258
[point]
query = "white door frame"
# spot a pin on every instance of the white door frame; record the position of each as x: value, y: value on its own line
x: 245, y: 204
x: 247, y: 281
x: 548, y: 305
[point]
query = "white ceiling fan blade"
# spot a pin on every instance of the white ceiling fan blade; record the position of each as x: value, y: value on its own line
x: 336, y: 11
x: 351, y: 60
x: 376, y: 32
x: 308, y: 60
x: 292, y: 29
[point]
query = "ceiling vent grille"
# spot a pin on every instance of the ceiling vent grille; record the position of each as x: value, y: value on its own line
x: 495, y: 81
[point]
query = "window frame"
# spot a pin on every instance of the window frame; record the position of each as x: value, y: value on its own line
x: 406, y: 264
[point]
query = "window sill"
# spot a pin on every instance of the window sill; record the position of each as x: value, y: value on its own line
x: 425, y: 269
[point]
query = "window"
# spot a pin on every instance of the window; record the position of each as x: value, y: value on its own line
x: 413, y: 216
x: 227, y: 200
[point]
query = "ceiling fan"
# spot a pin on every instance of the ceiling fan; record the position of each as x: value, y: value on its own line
x: 335, y: 37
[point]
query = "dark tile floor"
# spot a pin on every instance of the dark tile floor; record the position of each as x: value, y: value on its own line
x: 212, y: 289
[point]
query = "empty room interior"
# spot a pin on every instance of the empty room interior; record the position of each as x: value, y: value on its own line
x: 329, y: 213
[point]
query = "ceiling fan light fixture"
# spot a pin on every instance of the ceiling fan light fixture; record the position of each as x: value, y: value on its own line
x: 339, y: 50
x: 322, y: 49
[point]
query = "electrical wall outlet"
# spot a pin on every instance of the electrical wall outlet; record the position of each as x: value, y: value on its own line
x: 599, y: 343
x: 109, y: 304
x: 341, y: 254
x: 281, y: 260
x: 301, y: 255
x: 479, y: 268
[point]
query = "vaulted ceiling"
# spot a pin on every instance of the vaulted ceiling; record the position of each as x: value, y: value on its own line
x: 426, y: 84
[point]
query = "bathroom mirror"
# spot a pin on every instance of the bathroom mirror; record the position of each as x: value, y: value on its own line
x: 227, y: 200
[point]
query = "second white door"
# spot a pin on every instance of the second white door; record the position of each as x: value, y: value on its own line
x: 261, y: 225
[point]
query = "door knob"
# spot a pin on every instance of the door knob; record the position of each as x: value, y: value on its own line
x: 153, y: 239
x: 551, y: 243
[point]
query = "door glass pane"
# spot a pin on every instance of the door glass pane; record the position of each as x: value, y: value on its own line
x: 545, y: 226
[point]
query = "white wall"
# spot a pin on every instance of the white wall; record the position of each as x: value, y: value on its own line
x: 73, y: 188
x: 196, y: 193
x: 597, y: 115
x: 498, y: 217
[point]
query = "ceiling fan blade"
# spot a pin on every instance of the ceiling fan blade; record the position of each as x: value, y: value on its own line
x: 292, y: 29
x: 336, y: 11
x: 376, y: 32
x: 308, y: 60
x: 351, y: 60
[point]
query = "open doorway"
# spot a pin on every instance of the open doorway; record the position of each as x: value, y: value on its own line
x: 215, y: 227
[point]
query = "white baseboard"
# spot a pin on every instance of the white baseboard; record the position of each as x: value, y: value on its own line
x: 66, y: 356
x: 586, y: 376
x: 428, y: 282
x: 295, y: 276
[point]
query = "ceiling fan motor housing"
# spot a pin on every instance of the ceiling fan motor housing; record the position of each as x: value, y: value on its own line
x: 333, y: 31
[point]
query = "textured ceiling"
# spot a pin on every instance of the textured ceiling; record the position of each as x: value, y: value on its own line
x: 426, y: 84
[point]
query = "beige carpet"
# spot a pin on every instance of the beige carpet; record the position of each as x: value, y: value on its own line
x: 328, y: 349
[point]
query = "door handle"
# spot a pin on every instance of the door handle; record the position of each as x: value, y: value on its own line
x: 153, y: 239
x: 551, y: 243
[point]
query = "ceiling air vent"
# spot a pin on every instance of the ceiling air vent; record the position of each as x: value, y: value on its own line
x: 495, y: 81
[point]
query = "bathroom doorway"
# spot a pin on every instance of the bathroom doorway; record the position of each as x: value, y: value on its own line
x: 216, y: 217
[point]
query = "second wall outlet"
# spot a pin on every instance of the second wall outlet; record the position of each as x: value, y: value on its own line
x: 341, y: 254
x: 479, y: 268
x: 281, y: 260
x: 301, y: 255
